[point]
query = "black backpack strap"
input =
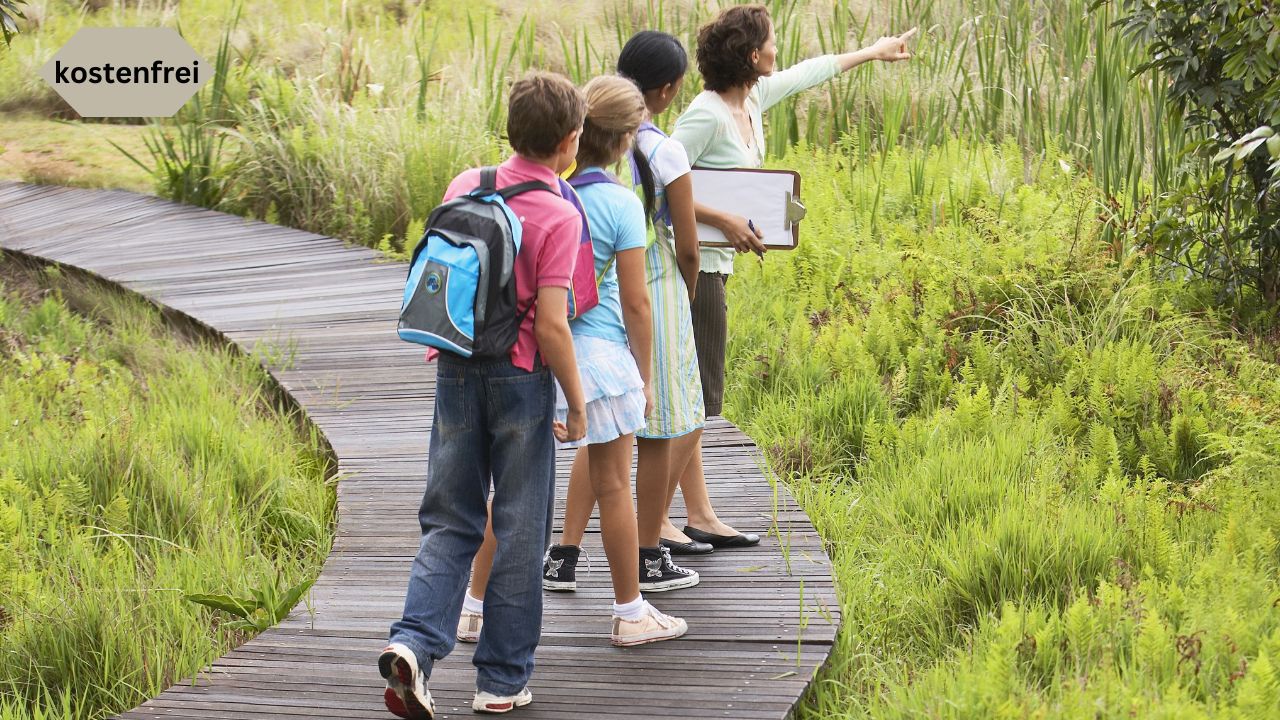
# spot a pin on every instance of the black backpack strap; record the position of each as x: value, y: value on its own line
x: 520, y: 316
x: 513, y: 190
x: 488, y: 180
x: 489, y: 185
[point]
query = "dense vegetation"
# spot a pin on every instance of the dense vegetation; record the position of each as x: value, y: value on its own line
x: 1048, y: 479
x: 135, y: 468
x: 349, y: 118
x: 1221, y: 60
x: 1025, y: 417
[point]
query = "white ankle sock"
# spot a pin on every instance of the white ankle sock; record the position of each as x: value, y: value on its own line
x: 633, y: 610
x: 471, y: 604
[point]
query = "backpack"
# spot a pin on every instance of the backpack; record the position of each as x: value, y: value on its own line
x: 584, y: 290
x: 592, y: 281
x: 461, y: 292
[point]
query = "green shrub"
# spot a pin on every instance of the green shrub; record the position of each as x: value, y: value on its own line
x: 1048, y: 489
x: 135, y: 468
x: 1220, y: 59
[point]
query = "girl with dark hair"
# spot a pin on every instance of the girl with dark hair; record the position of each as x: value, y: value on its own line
x: 656, y: 62
x: 722, y: 128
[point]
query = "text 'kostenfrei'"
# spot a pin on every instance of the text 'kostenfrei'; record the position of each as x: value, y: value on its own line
x: 156, y: 73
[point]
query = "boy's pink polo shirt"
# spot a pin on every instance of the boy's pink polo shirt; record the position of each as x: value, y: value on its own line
x: 552, y: 229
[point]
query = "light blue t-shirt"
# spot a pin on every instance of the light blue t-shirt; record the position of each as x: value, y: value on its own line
x: 616, y: 218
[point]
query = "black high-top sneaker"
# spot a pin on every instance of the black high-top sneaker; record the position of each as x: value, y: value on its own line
x: 659, y: 574
x: 560, y: 568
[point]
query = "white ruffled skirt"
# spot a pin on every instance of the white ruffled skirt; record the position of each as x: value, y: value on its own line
x: 612, y: 388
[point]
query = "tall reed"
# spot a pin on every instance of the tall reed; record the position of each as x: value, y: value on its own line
x: 1049, y: 75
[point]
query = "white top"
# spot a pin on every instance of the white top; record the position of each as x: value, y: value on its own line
x: 666, y: 157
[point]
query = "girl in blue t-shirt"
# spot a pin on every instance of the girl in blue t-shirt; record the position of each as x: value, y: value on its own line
x: 655, y: 62
x: 613, y: 343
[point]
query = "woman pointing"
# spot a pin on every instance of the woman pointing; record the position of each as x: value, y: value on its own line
x: 722, y: 128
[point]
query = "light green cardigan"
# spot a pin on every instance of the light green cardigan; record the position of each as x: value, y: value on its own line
x: 710, y: 136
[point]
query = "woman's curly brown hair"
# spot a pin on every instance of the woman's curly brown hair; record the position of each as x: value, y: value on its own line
x: 726, y: 43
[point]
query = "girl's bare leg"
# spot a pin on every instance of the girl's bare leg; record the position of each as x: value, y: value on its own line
x: 653, y: 483
x: 693, y: 486
x: 610, y: 465
x: 580, y: 499
x: 683, y: 451
x: 483, y: 562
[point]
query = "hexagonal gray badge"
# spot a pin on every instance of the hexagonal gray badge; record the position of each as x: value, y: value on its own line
x: 126, y: 72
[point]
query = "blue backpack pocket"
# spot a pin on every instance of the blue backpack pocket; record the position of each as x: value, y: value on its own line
x: 460, y: 295
x: 439, y: 308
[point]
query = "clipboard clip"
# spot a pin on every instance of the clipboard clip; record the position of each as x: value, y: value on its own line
x: 795, y: 210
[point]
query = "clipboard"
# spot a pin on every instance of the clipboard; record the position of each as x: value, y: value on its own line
x: 769, y: 198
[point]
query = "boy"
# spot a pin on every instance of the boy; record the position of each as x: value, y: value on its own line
x: 494, y: 422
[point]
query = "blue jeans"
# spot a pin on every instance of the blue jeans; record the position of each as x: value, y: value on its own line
x: 492, y: 420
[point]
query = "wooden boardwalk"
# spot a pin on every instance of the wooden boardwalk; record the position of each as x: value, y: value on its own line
x: 755, y: 637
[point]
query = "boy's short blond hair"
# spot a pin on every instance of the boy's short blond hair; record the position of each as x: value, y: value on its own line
x: 544, y: 109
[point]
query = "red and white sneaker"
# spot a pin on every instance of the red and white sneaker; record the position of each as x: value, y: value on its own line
x: 406, y: 695
x: 494, y: 704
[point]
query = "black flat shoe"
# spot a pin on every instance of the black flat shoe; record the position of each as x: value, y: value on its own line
x: 683, y: 548
x: 722, y: 541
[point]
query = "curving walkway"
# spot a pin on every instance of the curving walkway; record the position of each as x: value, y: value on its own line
x: 760, y: 624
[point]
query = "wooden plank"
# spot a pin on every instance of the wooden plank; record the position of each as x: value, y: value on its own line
x: 756, y: 637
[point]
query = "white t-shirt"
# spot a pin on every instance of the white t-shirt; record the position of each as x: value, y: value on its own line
x: 666, y: 158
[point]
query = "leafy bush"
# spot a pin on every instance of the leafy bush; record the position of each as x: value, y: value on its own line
x: 10, y: 13
x: 1221, y: 59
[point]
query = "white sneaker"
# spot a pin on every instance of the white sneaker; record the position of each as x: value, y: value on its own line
x: 469, y: 626
x: 652, y: 627
x: 494, y: 704
x: 406, y: 695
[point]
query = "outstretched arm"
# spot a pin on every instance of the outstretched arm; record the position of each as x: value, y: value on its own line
x: 891, y: 48
x: 779, y: 86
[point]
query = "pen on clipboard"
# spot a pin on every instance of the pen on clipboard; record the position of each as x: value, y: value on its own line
x: 752, y: 226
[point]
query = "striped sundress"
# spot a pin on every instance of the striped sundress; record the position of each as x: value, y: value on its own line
x: 677, y: 389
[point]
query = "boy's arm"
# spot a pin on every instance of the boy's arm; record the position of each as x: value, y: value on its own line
x: 555, y: 344
x: 554, y: 268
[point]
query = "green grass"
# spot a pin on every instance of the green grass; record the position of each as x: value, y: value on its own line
x: 1046, y: 478
x: 135, y: 467
x: 39, y: 150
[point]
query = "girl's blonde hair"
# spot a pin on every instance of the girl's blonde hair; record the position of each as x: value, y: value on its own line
x: 615, y: 108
